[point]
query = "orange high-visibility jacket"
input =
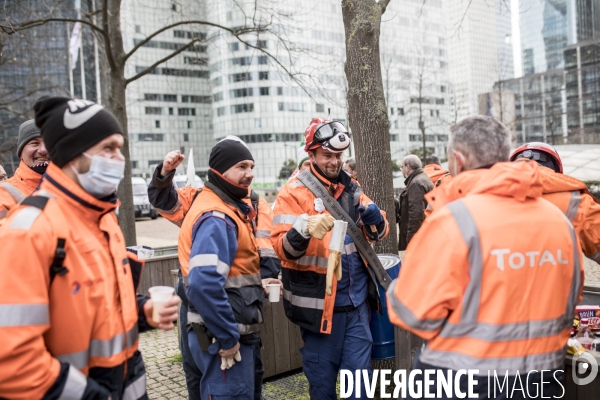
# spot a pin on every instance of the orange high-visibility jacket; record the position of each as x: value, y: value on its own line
x: 86, y: 318
x: 242, y: 276
x: 436, y: 173
x: 308, y: 305
x: 16, y: 188
x: 574, y: 200
x: 500, y: 289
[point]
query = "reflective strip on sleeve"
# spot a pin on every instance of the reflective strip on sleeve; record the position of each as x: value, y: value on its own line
x: 16, y: 194
x: 136, y: 389
x: 530, y: 362
x: 501, y: 332
x: 101, y: 348
x: 24, y: 315
x: 173, y: 210
x: 25, y: 218
x: 74, y: 386
x: 573, y: 205
x: 287, y: 246
x: 284, y: 219
x: 408, y: 317
x: 207, y: 260
x: 304, y: 302
x: 218, y: 214
x: 263, y: 252
x: 576, y: 281
x: 243, y: 280
x: 262, y: 234
x: 308, y: 261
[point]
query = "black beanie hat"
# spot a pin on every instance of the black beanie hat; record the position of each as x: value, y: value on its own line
x: 71, y: 126
x: 228, y: 152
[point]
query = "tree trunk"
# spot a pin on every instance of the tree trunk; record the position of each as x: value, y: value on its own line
x: 367, y: 109
x: 118, y: 106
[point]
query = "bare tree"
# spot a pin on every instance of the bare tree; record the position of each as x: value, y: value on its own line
x: 367, y: 109
x: 105, y: 22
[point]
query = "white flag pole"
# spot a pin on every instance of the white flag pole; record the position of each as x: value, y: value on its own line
x: 191, y: 172
x: 81, y: 67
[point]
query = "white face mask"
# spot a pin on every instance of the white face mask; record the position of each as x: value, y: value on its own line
x: 104, y: 176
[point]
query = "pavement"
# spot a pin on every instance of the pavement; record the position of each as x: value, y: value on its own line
x: 165, y: 378
x: 156, y: 233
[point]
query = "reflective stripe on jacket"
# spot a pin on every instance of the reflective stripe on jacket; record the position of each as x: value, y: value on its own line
x: 15, y: 189
x: 500, y: 290
x: 88, y: 317
x: 304, y: 271
x: 173, y: 204
x: 239, y: 277
x: 582, y: 209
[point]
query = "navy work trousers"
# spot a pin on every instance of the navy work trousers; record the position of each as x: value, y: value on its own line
x: 349, y: 346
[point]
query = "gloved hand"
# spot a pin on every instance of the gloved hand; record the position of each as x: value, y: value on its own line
x: 370, y: 215
x: 315, y: 225
x: 229, y: 356
x: 334, y: 267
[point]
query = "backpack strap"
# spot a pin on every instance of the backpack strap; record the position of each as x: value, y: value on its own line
x: 56, y: 268
x: 254, y: 198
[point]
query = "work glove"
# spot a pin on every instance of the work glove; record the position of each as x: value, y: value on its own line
x: 370, y: 215
x: 334, y: 268
x: 316, y: 225
x: 227, y: 362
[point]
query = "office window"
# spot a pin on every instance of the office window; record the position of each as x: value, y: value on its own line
x: 186, y: 137
x: 320, y: 108
x: 396, y: 124
x: 195, y: 99
x: 153, y: 163
x: 189, y: 124
x: 234, y: 46
x: 263, y: 76
x: 391, y: 111
x: 296, y: 107
x: 186, y: 111
x: 245, y: 92
x: 174, y: 7
x: 264, y: 91
x: 154, y: 110
x: 242, y: 108
x: 400, y: 111
x: 218, y: 81
x: 151, y: 137
x: 262, y: 60
x: 170, y: 110
x: 138, y: 29
x: 195, y: 60
x: 241, y: 77
x: 257, y: 123
x: 218, y: 97
x: 221, y: 111
x: 157, y: 124
x: 170, y: 97
x: 134, y: 164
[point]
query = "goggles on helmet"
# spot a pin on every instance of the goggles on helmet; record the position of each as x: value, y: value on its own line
x: 329, y: 130
x: 534, y: 155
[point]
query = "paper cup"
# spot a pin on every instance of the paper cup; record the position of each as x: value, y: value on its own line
x: 274, y: 289
x: 160, y: 295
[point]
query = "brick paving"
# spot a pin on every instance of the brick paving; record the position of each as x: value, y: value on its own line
x: 165, y: 378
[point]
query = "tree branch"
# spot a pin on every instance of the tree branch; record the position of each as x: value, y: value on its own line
x: 10, y: 29
x: 383, y: 5
x: 107, y: 45
x: 162, y: 60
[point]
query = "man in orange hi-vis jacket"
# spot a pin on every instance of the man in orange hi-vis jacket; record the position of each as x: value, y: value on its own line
x: 69, y: 314
x: 498, y: 294
x: 567, y: 193
x: 433, y: 169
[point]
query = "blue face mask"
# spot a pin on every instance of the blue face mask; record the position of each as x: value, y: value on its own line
x: 103, y: 177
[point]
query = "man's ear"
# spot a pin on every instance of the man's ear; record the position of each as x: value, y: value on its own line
x: 311, y: 156
x: 461, y: 161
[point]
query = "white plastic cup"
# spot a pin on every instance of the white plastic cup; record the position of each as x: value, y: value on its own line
x: 274, y: 289
x: 160, y: 295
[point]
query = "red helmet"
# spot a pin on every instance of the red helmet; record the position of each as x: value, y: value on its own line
x: 330, y: 135
x: 542, y: 153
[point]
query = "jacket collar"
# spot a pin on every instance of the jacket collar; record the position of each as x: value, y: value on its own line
x: 410, y: 178
x: 24, y: 173
x: 519, y: 180
x: 59, y: 184
x: 335, y: 189
x: 554, y: 182
x: 240, y: 207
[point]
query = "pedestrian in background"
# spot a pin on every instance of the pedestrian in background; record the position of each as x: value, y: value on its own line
x: 412, y: 199
x: 350, y: 168
x: 499, y: 292
x: 34, y: 161
x: 70, y: 315
x: 433, y: 169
